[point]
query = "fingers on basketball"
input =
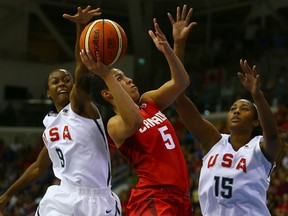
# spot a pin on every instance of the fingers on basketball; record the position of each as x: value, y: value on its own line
x: 107, y: 38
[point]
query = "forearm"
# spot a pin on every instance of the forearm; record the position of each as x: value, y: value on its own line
x: 266, y: 116
x: 80, y: 67
x: 29, y: 176
x: 124, y: 104
x: 203, y: 131
x: 81, y: 72
x: 32, y: 173
x: 178, y: 71
x: 188, y: 112
x: 179, y: 49
x: 79, y: 29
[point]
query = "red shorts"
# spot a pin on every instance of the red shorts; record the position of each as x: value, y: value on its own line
x: 158, y: 202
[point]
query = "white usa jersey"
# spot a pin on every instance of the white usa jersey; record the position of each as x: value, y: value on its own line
x: 78, y: 149
x: 233, y: 182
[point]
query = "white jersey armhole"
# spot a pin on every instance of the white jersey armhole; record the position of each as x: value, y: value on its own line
x: 261, y: 156
x: 220, y: 142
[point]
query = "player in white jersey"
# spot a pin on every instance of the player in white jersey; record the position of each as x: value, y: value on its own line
x: 236, y: 168
x: 75, y: 143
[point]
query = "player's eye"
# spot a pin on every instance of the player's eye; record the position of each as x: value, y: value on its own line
x: 119, y: 77
x: 67, y: 80
x: 54, y: 81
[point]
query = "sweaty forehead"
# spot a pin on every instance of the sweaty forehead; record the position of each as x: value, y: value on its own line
x: 59, y: 73
x: 242, y: 102
x: 116, y: 71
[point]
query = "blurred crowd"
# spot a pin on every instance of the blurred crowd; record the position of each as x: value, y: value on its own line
x: 15, y: 157
x: 213, y: 72
x: 277, y: 196
x: 218, y: 87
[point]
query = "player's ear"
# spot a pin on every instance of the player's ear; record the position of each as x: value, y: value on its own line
x: 256, y: 122
x: 106, y: 94
x: 48, y: 94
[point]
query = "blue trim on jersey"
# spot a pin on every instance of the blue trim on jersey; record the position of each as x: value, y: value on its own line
x: 38, y: 214
x: 104, y: 137
x: 109, y: 175
x: 271, y: 169
x: 116, y: 206
x: 100, y: 129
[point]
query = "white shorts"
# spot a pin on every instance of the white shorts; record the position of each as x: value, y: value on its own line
x: 66, y: 199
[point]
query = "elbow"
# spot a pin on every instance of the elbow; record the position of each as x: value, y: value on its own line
x: 182, y: 86
x: 187, y: 82
x: 134, y: 121
x: 138, y: 122
x: 38, y: 171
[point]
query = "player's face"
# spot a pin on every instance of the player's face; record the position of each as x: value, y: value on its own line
x: 60, y: 84
x: 127, y: 84
x: 242, y: 116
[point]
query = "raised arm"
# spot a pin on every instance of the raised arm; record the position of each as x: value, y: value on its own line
x: 81, y: 19
x: 79, y: 98
x: 33, y: 173
x: 251, y: 81
x: 203, y: 131
x: 128, y: 119
x: 181, y: 30
x: 167, y: 93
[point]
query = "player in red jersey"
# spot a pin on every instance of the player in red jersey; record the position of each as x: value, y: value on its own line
x: 144, y: 135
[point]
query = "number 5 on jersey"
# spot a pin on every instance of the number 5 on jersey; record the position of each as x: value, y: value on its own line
x: 167, y: 138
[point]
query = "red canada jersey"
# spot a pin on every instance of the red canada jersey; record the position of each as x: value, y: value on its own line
x: 155, y: 152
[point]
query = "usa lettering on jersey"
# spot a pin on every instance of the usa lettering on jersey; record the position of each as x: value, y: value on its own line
x: 157, y: 119
x: 56, y: 134
x: 227, y: 161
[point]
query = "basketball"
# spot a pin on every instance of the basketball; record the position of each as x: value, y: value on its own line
x: 106, y: 37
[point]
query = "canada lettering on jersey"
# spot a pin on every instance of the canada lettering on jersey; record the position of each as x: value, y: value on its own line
x: 56, y: 134
x: 157, y: 119
x: 227, y: 160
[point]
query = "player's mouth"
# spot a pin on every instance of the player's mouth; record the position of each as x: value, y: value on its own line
x: 134, y: 87
x: 235, y: 119
x: 63, y: 91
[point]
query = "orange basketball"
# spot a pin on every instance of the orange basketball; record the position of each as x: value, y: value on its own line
x: 107, y: 37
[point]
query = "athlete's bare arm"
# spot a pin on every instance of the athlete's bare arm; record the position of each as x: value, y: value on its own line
x: 167, y: 93
x: 79, y: 98
x: 205, y: 133
x: 128, y: 118
x: 34, y: 172
x: 250, y: 79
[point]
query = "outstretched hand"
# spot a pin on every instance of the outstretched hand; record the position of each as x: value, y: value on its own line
x: 159, y: 38
x: 181, y: 26
x: 95, y: 66
x: 83, y: 16
x: 249, y: 77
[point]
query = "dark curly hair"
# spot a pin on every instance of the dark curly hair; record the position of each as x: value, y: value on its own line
x: 97, y: 84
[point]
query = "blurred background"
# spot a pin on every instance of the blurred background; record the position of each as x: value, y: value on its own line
x: 36, y: 39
